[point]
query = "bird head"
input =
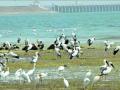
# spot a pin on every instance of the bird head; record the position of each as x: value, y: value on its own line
x: 37, y: 53
x: 111, y: 64
x: 65, y: 65
x: 105, y: 61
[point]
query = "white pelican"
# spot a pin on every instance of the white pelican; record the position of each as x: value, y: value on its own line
x: 90, y: 41
x: 62, y: 68
x: 66, y: 83
x: 35, y: 58
x: 116, y: 50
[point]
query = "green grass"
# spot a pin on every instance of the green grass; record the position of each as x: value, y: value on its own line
x: 90, y: 57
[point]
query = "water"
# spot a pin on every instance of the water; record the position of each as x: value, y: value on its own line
x: 76, y: 72
x: 104, y: 25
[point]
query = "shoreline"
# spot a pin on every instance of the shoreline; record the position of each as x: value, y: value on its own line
x: 4, y: 10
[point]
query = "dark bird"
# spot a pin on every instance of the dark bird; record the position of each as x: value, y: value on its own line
x: 90, y: 41
x: 115, y: 51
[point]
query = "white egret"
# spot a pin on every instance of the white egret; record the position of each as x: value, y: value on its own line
x: 25, y: 76
x: 35, y: 58
x: 18, y: 74
x: 5, y: 74
x: 96, y: 79
x: 66, y: 83
x: 86, y: 82
x: 88, y: 74
x: 31, y: 72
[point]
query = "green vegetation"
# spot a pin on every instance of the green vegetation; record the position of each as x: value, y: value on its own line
x: 90, y: 58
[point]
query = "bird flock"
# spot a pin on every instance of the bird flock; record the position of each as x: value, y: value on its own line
x: 71, y: 46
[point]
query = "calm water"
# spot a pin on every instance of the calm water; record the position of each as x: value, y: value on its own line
x: 48, y: 26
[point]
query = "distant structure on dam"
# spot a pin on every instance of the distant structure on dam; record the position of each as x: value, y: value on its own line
x: 88, y: 6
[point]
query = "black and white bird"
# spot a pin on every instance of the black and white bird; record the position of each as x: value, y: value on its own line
x: 7, y: 45
x: 108, y: 44
x: 106, y: 63
x: 107, y: 70
x: 75, y: 53
x: 14, y: 55
x: 57, y: 51
x: 115, y: 51
x: 40, y: 44
x: 64, y: 46
x: 90, y: 41
x: 74, y: 37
